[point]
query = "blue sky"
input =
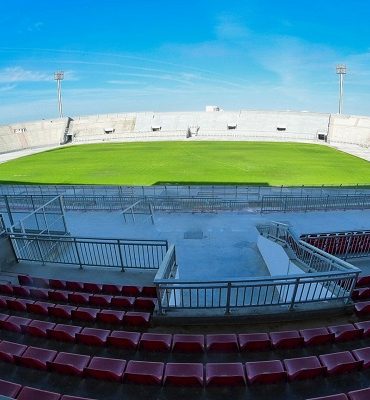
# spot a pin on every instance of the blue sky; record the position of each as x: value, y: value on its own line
x: 159, y: 55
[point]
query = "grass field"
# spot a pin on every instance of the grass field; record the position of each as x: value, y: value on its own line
x: 189, y: 162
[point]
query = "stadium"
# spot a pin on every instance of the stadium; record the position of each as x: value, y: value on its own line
x: 186, y: 255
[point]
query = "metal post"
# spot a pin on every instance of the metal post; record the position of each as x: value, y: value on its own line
x: 341, y: 71
x: 59, y: 76
x: 227, y: 311
x: 8, y: 210
x: 120, y: 255
x: 291, y: 307
x: 61, y: 202
x: 39, y: 249
x: 78, y: 253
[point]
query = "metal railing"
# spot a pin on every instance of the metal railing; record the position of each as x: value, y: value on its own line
x: 344, y: 245
x: 327, y: 279
x: 289, y: 203
x: 111, y: 253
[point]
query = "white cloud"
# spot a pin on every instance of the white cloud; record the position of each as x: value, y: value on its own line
x: 18, y: 74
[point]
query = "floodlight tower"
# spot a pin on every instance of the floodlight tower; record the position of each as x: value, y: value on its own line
x: 341, y: 71
x: 59, y: 76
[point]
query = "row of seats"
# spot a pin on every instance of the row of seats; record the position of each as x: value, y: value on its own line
x: 89, y: 314
x: 362, y: 394
x: 185, y: 374
x: 89, y: 287
x: 81, y: 298
x: 15, y: 391
x: 363, y: 280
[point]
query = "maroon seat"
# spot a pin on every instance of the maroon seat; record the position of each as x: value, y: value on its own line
x: 122, y: 302
x: 155, y: 341
x: 25, y: 280
x: 85, y: 314
x: 254, y: 341
x: 109, y: 288
x: 65, y: 397
x: 6, y: 288
x: 188, y: 343
x: 61, y: 311
x: 3, y: 303
x: 14, y: 323
x: 74, y: 286
x: 28, y: 393
x: 361, y: 293
x: 111, y: 316
x: 365, y: 325
x: 303, y: 368
x: 39, y: 293
x: 362, y: 308
x: 363, y: 281
x: 149, y: 291
x: 362, y: 355
x: 286, y: 339
x: 3, y: 317
x: 66, y: 333
x: 38, y: 328
x: 316, y: 336
x: 22, y: 291
x: 342, y: 362
x: 184, y: 374
x: 145, y: 303
x: 78, y: 298
x: 100, y: 300
x: 106, y: 368
x: 229, y: 374
x: 340, y: 396
x: 59, y: 295
x: 222, y: 342
x: 93, y: 336
x: 9, y: 389
x: 136, y: 318
x: 69, y: 363
x: 144, y: 372
x: 40, y: 282
x: 10, y: 349
x: 57, y: 284
x: 126, y: 340
x: 92, y: 287
x: 345, y: 332
x: 39, y: 307
x: 132, y: 291
x: 265, y: 371
x: 18, y: 304
x: 36, y: 357
x: 363, y: 394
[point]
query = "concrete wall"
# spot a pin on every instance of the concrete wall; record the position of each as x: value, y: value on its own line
x: 349, y: 129
x: 7, y: 256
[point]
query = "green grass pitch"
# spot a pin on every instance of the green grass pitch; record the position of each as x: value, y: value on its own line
x: 148, y: 163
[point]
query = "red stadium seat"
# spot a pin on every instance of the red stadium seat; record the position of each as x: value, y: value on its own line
x: 28, y: 393
x: 123, y: 339
x: 66, y: 333
x: 363, y: 394
x: 365, y: 325
x: 340, y: 396
x: 59, y: 295
x: 316, y: 336
x: 229, y: 374
x: 74, y: 286
x: 22, y: 291
x: 145, y: 303
x: 78, y: 298
x: 123, y: 302
x: 111, y: 316
x: 362, y: 355
x: 93, y: 336
x: 112, y: 289
x: 345, y: 332
x: 65, y: 397
x: 184, y: 374
x: 62, y: 311
x: 3, y: 301
x: 9, y: 389
x: 254, y: 341
x: 8, y: 350
x: 265, y: 371
x: 57, y: 284
x: 362, y: 308
x: 132, y: 291
x: 18, y: 304
x: 363, y: 281
x: 69, y: 363
x: 85, y: 314
x: 149, y: 291
x: 40, y: 282
x: 286, y: 339
x: 144, y: 372
x: 337, y: 363
x: 39, y: 293
x: 25, y: 280
x: 14, y: 323
x: 38, y: 328
x: 361, y: 293
x: 36, y: 357
x: 222, y: 342
x: 304, y: 368
x: 100, y: 300
x: 39, y: 307
x: 155, y: 342
x: 6, y: 288
x: 136, y: 318
x: 92, y: 287
x: 188, y: 343
x: 106, y: 368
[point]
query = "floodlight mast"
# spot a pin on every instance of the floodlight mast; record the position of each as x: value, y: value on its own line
x: 341, y: 71
x: 59, y: 76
